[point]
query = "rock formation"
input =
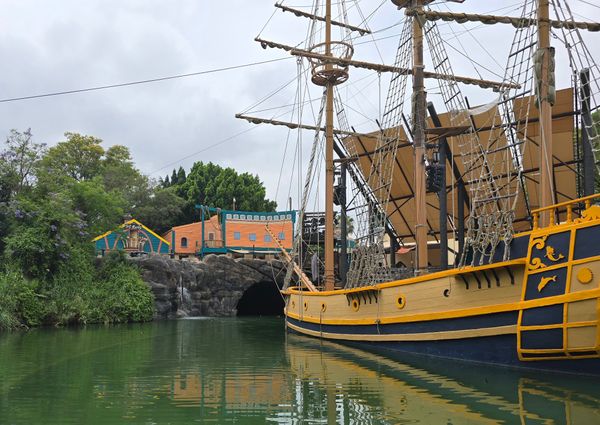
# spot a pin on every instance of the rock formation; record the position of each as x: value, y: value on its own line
x: 212, y: 287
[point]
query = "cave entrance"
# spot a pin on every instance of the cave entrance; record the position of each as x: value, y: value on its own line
x: 261, y: 299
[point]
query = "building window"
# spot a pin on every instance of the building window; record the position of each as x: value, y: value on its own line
x: 236, y: 216
x: 237, y: 236
x: 269, y: 218
x: 211, y: 236
x: 256, y: 217
x: 242, y: 216
x: 252, y: 237
x: 184, y: 242
x: 263, y: 218
x: 267, y: 238
x: 228, y: 216
x: 281, y: 236
x: 289, y: 216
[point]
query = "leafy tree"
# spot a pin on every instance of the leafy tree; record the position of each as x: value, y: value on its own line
x: 100, y: 209
x: 104, y: 184
x: 211, y: 185
x: 162, y: 210
x: 118, y: 155
x: 174, y: 179
x: 79, y: 157
x: 181, y: 176
x: 42, y: 234
x: 17, y: 163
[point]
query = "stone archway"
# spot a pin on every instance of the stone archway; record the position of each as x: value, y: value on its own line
x: 218, y: 286
x: 261, y: 299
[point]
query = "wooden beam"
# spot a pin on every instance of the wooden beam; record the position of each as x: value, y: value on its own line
x: 433, y: 15
x: 361, y: 31
x: 486, y: 84
x: 301, y: 275
x: 292, y: 125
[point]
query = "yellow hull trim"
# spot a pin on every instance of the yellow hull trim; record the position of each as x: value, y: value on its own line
x: 425, y: 336
x: 453, y: 314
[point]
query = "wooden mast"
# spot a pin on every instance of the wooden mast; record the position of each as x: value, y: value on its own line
x: 545, y: 107
x: 329, y: 170
x: 419, y: 142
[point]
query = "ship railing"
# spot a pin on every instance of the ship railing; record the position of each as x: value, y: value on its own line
x: 217, y: 243
x: 570, y: 210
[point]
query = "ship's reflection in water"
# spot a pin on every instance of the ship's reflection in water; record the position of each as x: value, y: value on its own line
x: 248, y: 371
x: 369, y: 388
x: 332, y: 383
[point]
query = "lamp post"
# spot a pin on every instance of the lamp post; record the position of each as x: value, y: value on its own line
x: 234, y: 203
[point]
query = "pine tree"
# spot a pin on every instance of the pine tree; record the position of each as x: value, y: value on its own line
x: 174, y: 180
x: 180, y: 176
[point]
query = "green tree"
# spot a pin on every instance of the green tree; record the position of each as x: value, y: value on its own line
x: 18, y: 160
x: 211, y: 185
x: 162, y: 210
x: 79, y: 158
x: 100, y: 209
x: 181, y: 176
x: 42, y: 234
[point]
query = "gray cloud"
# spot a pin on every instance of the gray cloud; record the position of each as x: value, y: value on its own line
x: 65, y: 44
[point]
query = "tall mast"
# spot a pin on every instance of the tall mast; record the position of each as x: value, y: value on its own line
x: 545, y: 108
x: 419, y: 142
x: 329, y: 170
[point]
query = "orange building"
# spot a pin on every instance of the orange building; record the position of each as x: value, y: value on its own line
x: 234, y: 232
x: 187, y: 239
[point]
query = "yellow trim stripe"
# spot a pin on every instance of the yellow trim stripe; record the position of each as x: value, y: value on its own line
x: 566, y: 325
x: 416, y: 279
x: 452, y: 314
x: 425, y: 336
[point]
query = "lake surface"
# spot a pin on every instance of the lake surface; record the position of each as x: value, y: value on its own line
x: 249, y: 371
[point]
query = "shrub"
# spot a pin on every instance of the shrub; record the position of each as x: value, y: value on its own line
x: 20, y: 303
x: 119, y: 294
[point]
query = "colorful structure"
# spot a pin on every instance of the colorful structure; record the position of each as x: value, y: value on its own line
x: 132, y: 237
x: 233, y: 232
x: 187, y: 239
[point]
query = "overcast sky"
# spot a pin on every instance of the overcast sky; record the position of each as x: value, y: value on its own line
x: 48, y: 46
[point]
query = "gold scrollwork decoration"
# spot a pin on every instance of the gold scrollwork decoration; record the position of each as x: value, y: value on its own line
x: 545, y: 281
x: 592, y: 213
x: 540, y: 243
x: 550, y: 255
x: 535, y: 264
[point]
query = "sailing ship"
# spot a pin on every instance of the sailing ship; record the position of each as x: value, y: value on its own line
x: 496, y: 204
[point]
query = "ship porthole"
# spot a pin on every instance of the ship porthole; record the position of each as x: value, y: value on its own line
x: 355, y: 305
x: 305, y: 305
x: 323, y: 307
x: 401, y: 301
x: 446, y: 293
x: 585, y: 275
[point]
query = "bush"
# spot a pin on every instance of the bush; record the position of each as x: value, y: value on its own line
x: 69, y: 288
x: 20, y: 303
x: 121, y: 296
x: 112, y: 293
x: 78, y: 293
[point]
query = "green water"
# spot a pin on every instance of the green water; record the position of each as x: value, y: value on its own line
x: 248, y: 371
